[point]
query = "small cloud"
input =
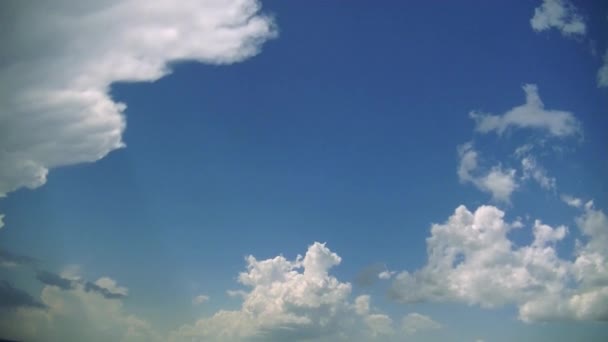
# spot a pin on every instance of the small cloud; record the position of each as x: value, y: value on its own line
x: 415, y: 322
x: 533, y: 170
x: 602, y: 73
x: 200, y: 299
x: 1, y: 220
x: 572, y: 201
x: 368, y: 276
x: 8, y: 259
x: 13, y: 298
x: 107, y: 287
x: 385, y: 275
x: 236, y: 293
x: 531, y: 115
x: 52, y: 279
x: 558, y: 14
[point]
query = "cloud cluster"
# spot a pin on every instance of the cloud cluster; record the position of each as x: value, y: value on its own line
x: 68, y: 311
x: 472, y: 260
x: 291, y: 300
x: 532, y: 114
x: 55, y: 107
x: 558, y: 14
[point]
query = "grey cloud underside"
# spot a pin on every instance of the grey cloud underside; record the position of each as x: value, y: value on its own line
x: 13, y: 298
x: 53, y: 279
x: 8, y: 259
x: 89, y: 286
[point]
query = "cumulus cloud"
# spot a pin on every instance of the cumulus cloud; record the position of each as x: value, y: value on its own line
x: 61, y: 58
x: 472, y: 260
x: 200, y: 299
x: 602, y: 73
x: 75, y: 315
x: 499, y: 182
x: 532, y: 114
x: 415, y: 322
x: 290, y: 300
x: 558, y: 14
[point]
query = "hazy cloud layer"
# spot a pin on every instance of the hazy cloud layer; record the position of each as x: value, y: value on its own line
x: 472, y: 260
x: 560, y: 15
x: 531, y: 115
x: 60, y: 59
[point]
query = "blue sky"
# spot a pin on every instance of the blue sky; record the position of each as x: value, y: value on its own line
x: 351, y: 124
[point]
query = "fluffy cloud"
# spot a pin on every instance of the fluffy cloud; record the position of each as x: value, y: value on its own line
x: 572, y: 201
x: 472, y: 260
x: 75, y: 314
x: 290, y: 300
x: 602, y: 74
x: 532, y: 114
x: 497, y: 181
x: 415, y: 322
x: 62, y: 57
x: 558, y: 14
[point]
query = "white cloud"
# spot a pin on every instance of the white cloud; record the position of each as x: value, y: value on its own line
x: 472, y: 260
x: 572, y: 201
x: 62, y: 57
x: 200, y: 299
x: 532, y: 114
x: 533, y: 170
x: 290, y: 300
x: 500, y: 183
x: 76, y: 315
x: 111, y: 286
x: 385, y: 275
x: 415, y: 322
x: 602, y: 73
x: 558, y: 14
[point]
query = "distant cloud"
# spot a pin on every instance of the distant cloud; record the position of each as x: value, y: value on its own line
x: 107, y: 287
x: 8, y: 259
x: 291, y: 300
x: 531, y: 115
x: 558, y: 14
x: 200, y: 299
x: 572, y: 201
x: 415, y: 322
x: 602, y: 74
x: 472, y: 260
x: 13, y: 298
x: 499, y: 182
x: 56, y: 110
x: 53, y: 279
x: 533, y: 170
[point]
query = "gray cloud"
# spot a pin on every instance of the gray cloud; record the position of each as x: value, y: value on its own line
x: 53, y: 279
x: 12, y: 298
x: 90, y: 286
x: 8, y: 259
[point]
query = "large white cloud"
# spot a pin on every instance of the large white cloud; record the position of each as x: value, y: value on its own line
x: 532, y: 114
x: 75, y: 315
x: 499, y: 182
x: 291, y: 300
x: 558, y: 14
x: 60, y: 58
x: 472, y: 260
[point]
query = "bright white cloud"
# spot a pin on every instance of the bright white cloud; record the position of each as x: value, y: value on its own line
x: 558, y: 14
x: 532, y: 114
x: 200, y: 299
x: 602, y: 73
x: 290, y: 300
x: 472, y: 260
x: 499, y: 182
x: 76, y: 315
x: 415, y: 322
x: 62, y: 57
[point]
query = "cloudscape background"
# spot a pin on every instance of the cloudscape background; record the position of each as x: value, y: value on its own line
x: 237, y: 170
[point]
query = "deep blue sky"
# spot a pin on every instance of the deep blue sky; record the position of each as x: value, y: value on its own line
x: 342, y: 130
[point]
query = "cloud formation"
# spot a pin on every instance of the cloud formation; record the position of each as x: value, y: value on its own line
x: 558, y: 14
x: 290, y: 300
x: 8, y: 259
x: 61, y: 58
x: 472, y: 260
x: 13, y: 298
x: 499, y: 182
x: 602, y: 74
x: 200, y: 299
x: 415, y: 322
x: 531, y: 115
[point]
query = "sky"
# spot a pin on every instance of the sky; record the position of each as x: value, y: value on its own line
x: 240, y: 170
